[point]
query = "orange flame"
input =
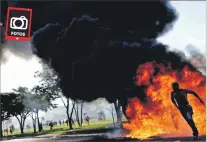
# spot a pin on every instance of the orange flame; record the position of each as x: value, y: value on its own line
x: 159, y: 116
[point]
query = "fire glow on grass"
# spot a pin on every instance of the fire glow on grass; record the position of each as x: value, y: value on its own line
x: 159, y: 116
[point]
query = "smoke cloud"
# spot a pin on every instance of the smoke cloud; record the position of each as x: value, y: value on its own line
x: 96, y: 51
x: 21, y: 49
x: 18, y: 48
x: 196, y: 56
x: 93, y: 61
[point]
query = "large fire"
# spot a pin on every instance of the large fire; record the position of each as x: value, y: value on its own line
x: 159, y: 116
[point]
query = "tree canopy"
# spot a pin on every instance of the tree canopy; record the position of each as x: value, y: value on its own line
x: 11, y: 104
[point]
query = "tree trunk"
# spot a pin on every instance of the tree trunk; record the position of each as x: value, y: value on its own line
x: 69, y: 122
x: 81, y: 113
x: 21, y: 124
x: 34, y: 126
x: 79, y: 117
x: 112, y: 113
x: 22, y: 129
x: 77, y: 114
x: 1, y: 132
x: 34, y: 118
x: 38, y: 121
x: 124, y: 103
x: 71, y: 114
x: 117, y: 106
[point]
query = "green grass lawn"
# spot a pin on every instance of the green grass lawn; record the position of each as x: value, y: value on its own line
x: 63, y: 129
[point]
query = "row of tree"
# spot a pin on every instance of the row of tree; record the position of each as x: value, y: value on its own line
x: 24, y: 102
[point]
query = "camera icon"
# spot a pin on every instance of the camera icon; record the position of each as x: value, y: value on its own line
x: 19, y: 23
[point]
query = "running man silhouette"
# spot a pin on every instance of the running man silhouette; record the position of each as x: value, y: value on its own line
x: 179, y: 99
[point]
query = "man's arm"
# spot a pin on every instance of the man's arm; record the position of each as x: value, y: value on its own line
x: 173, y: 100
x: 195, y: 94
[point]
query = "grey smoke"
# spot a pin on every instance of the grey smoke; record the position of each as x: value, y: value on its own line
x: 116, y: 133
x: 18, y: 48
x: 197, y: 58
x: 193, y: 50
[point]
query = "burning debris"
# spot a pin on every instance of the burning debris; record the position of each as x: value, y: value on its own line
x: 158, y: 116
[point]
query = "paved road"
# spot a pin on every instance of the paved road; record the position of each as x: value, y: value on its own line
x: 94, y: 138
x: 48, y: 140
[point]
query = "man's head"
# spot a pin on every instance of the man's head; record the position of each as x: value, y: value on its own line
x: 175, y: 86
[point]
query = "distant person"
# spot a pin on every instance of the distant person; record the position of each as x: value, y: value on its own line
x: 60, y: 122
x: 6, y: 131
x: 87, y: 119
x: 63, y: 122
x: 51, y: 125
x: 11, y: 128
x: 41, y: 127
x: 10, y: 131
x: 179, y: 99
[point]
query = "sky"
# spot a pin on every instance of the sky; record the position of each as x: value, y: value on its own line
x: 189, y: 29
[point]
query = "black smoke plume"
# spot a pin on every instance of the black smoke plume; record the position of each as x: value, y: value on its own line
x: 97, y: 54
x: 149, y: 19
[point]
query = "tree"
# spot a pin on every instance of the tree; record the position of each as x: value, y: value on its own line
x: 31, y: 103
x: 69, y: 114
x: 79, y: 112
x: 101, y: 115
x: 112, y: 112
x: 34, y: 120
x: 10, y: 105
x: 47, y: 91
x: 49, y: 82
x: 118, y: 110
x: 42, y: 100
x: 36, y: 101
x: 21, y: 116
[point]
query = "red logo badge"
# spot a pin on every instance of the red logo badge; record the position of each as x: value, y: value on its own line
x: 18, y: 24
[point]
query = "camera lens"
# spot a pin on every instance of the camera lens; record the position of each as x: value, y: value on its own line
x: 18, y: 23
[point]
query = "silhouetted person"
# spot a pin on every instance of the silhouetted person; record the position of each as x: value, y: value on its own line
x: 11, y: 128
x: 179, y: 99
x: 41, y: 127
x: 87, y: 119
x: 51, y: 125
x: 60, y: 122
x: 66, y: 122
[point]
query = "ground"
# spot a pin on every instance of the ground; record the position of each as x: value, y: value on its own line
x: 96, y: 131
x: 63, y: 129
x: 95, y: 139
